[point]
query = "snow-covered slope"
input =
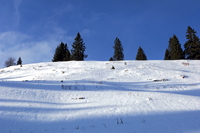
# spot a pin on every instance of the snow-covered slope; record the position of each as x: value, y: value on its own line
x: 90, y: 97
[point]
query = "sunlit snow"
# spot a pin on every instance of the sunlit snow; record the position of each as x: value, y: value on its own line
x: 90, y: 97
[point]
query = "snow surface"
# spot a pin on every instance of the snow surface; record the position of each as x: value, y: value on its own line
x: 90, y: 97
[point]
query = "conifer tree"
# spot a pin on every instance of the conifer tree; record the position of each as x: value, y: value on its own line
x: 67, y: 54
x: 141, y: 55
x: 61, y: 53
x: 78, y: 49
x: 118, y: 50
x: 174, y: 49
x: 167, y: 56
x: 111, y: 59
x: 19, y: 61
x: 192, y: 46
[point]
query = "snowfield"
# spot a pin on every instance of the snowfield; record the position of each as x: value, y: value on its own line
x: 90, y: 97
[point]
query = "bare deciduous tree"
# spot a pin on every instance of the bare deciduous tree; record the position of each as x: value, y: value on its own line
x: 10, y: 62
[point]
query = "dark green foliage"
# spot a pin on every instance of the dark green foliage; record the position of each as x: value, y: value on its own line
x: 175, y: 51
x: 19, y: 61
x: 118, y: 50
x: 61, y: 53
x: 67, y: 55
x: 141, y: 55
x: 192, y: 46
x: 111, y: 59
x: 167, y: 56
x: 78, y: 49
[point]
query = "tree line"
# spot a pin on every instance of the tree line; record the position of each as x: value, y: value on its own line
x: 191, y: 47
x: 173, y: 52
x: 62, y: 53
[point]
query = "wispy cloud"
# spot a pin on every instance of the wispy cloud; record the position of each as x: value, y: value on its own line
x: 11, y: 38
x: 63, y: 10
x: 15, y: 44
x: 17, y: 13
x: 86, y: 32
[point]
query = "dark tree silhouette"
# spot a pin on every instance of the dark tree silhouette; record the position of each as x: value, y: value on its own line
x: 118, y: 50
x: 192, y: 46
x: 10, y: 62
x: 61, y: 53
x: 78, y: 49
x: 174, y: 49
x: 167, y: 56
x: 141, y: 55
x: 19, y: 61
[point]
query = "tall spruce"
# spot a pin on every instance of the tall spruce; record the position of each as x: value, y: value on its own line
x: 167, y: 56
x: 19, y: 61
x: 61, y: 53
x: 118, y: 50
x: 192, y: 45
x: 141, y: 55
x: 174, y: 49
x: 78, y: 49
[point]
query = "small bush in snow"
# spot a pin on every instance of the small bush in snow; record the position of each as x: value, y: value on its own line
x: 78, y: 98
x: 100, y: 82
x: 160, y: 80
x: 185, y: 63
x: 113, y: 67
x: 143, y: 121
x: 183, y: 76
x: 10, y: 62
x: 104, y: 125
x: 120, y: 121
x: 66, y: 87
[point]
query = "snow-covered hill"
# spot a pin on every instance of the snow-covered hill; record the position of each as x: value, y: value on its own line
x: 90, y: 97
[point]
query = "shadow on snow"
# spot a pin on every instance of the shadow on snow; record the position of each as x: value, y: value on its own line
x: 89, y: 85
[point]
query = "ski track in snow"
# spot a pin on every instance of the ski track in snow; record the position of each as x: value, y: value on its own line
x: 90, y: 97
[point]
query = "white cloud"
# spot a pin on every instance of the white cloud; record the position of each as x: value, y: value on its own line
x: 14, y: 44
x: 37, y: 52
x: 11, y: 38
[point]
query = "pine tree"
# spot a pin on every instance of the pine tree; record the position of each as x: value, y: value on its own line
x: 167, y: 56
x: 19, y: 61
x: 61, y: 53
x: 118, y: 50
x: 192, y: 46
x: 174, y: 49
x: 111, y: 59
x: 67, y: 55
x: 141, y: 55
x: 78, y: 49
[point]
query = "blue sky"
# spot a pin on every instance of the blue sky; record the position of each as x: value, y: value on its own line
x: 32, y: 29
